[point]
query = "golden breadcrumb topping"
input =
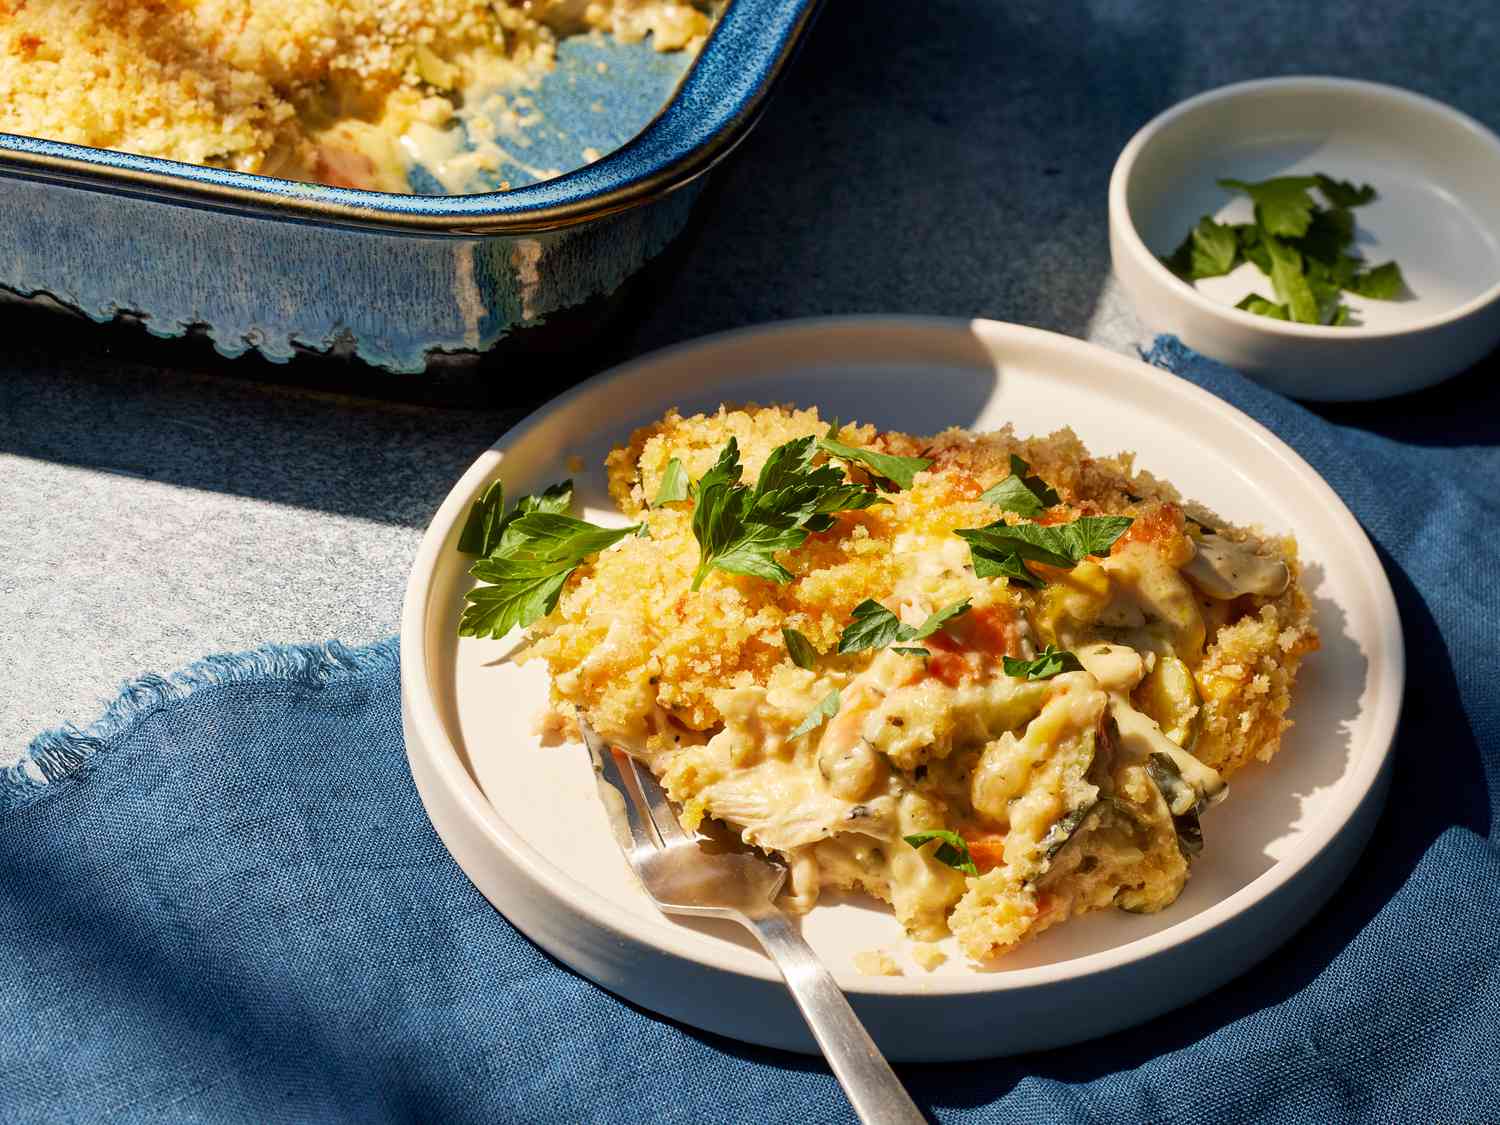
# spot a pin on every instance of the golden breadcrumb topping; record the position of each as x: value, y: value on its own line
x: 1071, y: 792
x: 262, y: 85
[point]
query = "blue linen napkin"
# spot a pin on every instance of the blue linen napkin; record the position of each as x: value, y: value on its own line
x: 224, y: 902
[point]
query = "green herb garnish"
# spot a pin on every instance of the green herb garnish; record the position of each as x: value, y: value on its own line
x: 739, y: 529
x: 898, y: 472
x: 529, y: 565
x: 1259, y: 305
x: 1209, y: 250
x: 1022, y: 493
x: 1341, y: 193
x: 674, y: 485
x: 826, y: 709
x: 1383, y: 283
x: 488, y: 520
x: 1282, y: 205
x: 799, y: 648
x: 1048, y: 663
x: 1002, y: 550
x: 874, y: 626
x: 1302, y: 247
x: 952, y: 851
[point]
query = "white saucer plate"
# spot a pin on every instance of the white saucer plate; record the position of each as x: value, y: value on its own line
x: 525, y: 822
x: 1437, y: 215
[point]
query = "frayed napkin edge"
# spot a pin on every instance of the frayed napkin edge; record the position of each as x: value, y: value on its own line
x: 59, y: 755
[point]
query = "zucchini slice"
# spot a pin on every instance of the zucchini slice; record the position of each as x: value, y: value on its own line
x: 1182, y: 801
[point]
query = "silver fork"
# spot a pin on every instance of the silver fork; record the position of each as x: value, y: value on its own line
x: 682, y: 878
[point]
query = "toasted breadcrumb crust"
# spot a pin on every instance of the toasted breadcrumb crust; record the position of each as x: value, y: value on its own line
x: 876, y: 963
x: 928, y: 955
x: 251, y: 84
x: 644, y: 656
x: 689, y: 647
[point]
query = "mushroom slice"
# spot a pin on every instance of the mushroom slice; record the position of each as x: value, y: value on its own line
x: 1224, y: 569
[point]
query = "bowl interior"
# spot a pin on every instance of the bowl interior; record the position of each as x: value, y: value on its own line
x: 1437, y: 213
x: 485, y: 704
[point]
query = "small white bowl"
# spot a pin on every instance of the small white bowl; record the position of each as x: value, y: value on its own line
x: 1437, y: 214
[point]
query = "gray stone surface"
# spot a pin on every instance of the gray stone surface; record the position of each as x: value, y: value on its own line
x: 944, y: 157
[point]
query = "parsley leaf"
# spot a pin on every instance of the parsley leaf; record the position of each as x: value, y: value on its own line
x: 911, y: 650
x: 826, y: 709
x: 739, y: 529
x: 799, y: 648
x: 674, y: 485
x: 1305, y: 249
x: 488, y: 520
x: 898, y: 471
x: 1209, y: 250
x: 1342, y: 193
x: 1020, y: 492
x: 480, y: 528
x: 1383, y: 283
x: 1001, y: 550
x: 1252, y: 247
x: 1260, y: 306
x: 1290, y: 282
x: 1048, y: 663
x: 874, y: 626
x: 1282, y: 205
x: 952, y: 851
x: 1328, y: 235
x: 517, y: 595
x: 528, y: 568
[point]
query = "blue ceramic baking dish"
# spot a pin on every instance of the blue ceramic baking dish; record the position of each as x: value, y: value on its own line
x: 400, y: 281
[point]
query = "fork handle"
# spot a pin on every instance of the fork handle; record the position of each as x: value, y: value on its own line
x: 868, y: 1080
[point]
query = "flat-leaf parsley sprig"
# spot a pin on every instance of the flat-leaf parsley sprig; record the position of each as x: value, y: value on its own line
x: 528, y: 553
x: 488, y: 520
x: 874, y: 626
x: 1048, y: 663
x: 1022, y: 493
x: 1304, y: 249
x: 1002, y: 550
x: 890, y: 472
x: 739, y: 529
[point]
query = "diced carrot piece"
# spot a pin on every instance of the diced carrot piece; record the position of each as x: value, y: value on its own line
x: 986, y: 848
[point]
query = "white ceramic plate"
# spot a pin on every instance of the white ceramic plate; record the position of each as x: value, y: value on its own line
x: 526, y: 824
x: 1437, y: 214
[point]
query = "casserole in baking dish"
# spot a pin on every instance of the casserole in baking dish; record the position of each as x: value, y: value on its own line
x: 277, y: 265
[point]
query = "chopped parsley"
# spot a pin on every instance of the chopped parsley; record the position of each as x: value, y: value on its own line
x: 528, y: 554
x: 1022, y: 493
x: 1209, y: 250
x: 739, y: 529
x: 874, y: 626
x: 1048, y: 663
x: 1002, y: 550
x: 890, y: 471
x: 951, y: 851
x: 1303, y: 248
x: 826, y: 709
x: 799, y: 648
x: 674, y: 485
x: 488, y: 520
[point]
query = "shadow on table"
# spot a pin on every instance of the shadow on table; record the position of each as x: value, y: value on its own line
x: 1462, y: 411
